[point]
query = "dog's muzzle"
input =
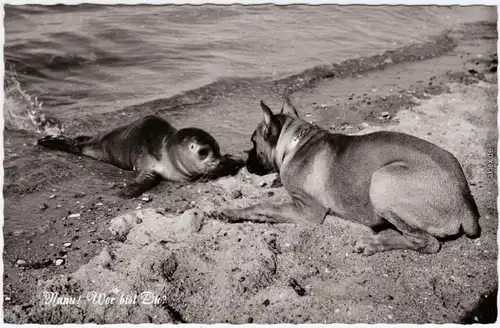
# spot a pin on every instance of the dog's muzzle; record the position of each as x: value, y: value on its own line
x: 254, y: 166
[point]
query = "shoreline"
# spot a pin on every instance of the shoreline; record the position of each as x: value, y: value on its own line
x: 212, y: 94
x: 74, y: 182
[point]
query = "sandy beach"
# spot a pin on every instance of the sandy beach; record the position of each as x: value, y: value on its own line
x: 198, y: 269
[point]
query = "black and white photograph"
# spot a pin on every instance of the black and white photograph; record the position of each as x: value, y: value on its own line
x: 273, y: 163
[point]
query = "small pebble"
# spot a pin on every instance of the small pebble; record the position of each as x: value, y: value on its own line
x: 52, y: 196
x: 21, y: 262
x: 147, y: 199
x: 74, y: 215
x: 59, y: 262
x: 385, y: 115
x: 58, y: 206
x: 270, y: 193
x: 138, y: 220
x: 298, y: 289
x: 67, y: 245
x: 98, y: 204
x: 236, y: 194
x: 43, y: 206
x: 19, y: 232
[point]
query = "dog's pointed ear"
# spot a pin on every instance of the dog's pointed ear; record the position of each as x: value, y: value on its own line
x: 268, y: 113
x: 271, y: 130
x: 288, y: 107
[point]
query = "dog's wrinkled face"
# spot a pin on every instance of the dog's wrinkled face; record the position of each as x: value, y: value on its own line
x: 260, y: 159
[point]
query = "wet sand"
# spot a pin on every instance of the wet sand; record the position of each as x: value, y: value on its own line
x: 210, y: 271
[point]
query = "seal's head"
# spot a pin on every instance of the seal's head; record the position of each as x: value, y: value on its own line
x: 197, y: 151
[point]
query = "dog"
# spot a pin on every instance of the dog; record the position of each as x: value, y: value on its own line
x: 410, y: 192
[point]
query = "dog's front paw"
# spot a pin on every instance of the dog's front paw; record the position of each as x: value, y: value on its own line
x: 367, y: 245
x: 232, y: 215
x: 229, y: 215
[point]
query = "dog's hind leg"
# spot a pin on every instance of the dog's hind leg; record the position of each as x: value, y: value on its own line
x: 406, y: 238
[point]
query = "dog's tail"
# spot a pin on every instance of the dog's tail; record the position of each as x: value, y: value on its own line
x: 470, y: 223
x: 63, y: 143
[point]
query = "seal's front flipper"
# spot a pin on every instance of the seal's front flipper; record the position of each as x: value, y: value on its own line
x: 143, y: 182
x: 63, y: 143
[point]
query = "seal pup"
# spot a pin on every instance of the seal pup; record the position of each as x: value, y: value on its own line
x: 409, y: 191
x: 155, y: 149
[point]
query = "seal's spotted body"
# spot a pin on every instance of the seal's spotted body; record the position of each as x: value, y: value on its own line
x: 152, y: 147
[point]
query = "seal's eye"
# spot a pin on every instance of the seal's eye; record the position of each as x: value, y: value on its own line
x: 203, y: 153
